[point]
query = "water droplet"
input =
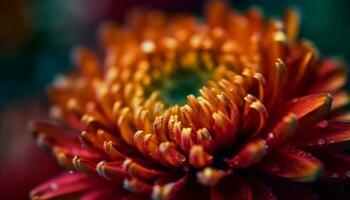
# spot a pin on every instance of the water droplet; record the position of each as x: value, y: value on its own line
x: 270, y: 135
x: 53, y: 186
x: 276, y: 168
x: 235, y: 162
x: 71, y: 172
x: 347, y: 173
x: 323, y: 124
x: 335, y: 175
x: 321, y: 141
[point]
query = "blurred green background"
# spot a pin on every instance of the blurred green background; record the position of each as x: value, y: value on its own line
x: 36, y: 36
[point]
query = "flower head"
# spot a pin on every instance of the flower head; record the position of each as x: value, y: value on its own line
x: 230, y: 107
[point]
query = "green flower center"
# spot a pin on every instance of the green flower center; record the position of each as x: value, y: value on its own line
x: 175, y: 87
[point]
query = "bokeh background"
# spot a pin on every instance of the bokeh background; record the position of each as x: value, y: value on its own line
x: 36, y: 38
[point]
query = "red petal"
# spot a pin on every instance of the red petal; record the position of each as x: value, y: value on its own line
x: 330, y: 77
x: 310, y: 108
x: 292, y: 163
x: 65, y: 184
x: 337, y: 166
x: 232, y: 188
x: 135, y: 169
x: 250, y: 154
x: 261, y: 191
x: 282, y: 131
x: 98, y: 194
x: 111, y: 170
x: 324, y: 134
x: 170, y: 190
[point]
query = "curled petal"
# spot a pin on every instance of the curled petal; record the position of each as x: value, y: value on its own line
x: 254, y: 116
x: 137, y: 186
x: 111, y: 170
x: 137, y: 170
x: 210, y: 176
x: 204, y: 138
x: 198, y: 158
x: 171, y: 154
x: 84, y: 165
x: 225, y: 130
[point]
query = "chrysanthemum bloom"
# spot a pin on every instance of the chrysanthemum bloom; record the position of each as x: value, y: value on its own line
x: 230, y: 107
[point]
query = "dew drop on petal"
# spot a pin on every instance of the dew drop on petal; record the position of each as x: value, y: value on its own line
x: 270, y: 135
x: 276, y: 168
x: 323, y: 124
x: 53, y: 186
x: 335, y: 175
x: 321, y: 141
x: 347, y: 173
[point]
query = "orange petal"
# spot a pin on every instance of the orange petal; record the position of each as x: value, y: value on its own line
x: 211, y: 176
x: 254, y: 116
x: 198, y: 158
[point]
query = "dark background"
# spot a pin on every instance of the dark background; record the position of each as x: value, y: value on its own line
x: 36, y: 37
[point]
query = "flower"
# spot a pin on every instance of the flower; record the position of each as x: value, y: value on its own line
x: 263, y: 112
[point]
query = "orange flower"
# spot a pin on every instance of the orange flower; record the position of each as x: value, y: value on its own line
x: 263, y: 112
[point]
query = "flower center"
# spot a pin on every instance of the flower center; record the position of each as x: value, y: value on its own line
x: 174, y: 87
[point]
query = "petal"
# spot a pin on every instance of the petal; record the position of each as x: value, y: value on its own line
x: 292, y: 163
x: 170, y: 190
x: 111, y: 170
x: 261, y: 191
x: 232, y: 188
x: 340, y: 99
x: 254, y: 117
x: 331, y: 76
x: 310, y: 108
x: 65, y: 185
x: 211, y: 176
x: 282, y: 131
x: 198, y: 158
x: 250, y: 154
x: 337, y: 166
x: 98, y: 194
x: 138, y: 170
x: 323, y: 134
